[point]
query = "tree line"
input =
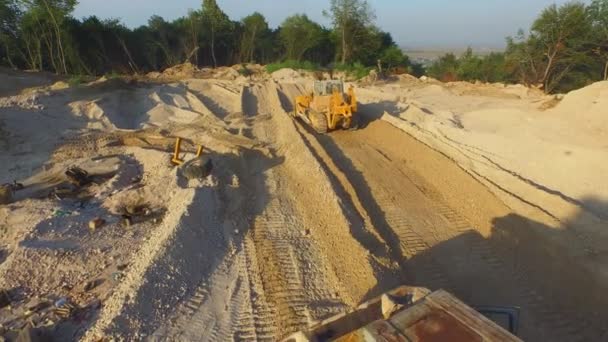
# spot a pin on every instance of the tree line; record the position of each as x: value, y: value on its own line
x: 566, y: 48
x: 44, y: 35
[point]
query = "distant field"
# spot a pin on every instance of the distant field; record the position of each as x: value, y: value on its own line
x: 426, y: 56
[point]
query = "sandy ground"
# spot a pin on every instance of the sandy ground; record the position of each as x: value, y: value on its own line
x: 490, y: 192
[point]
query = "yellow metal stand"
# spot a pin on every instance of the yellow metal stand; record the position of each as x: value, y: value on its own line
x: 178, y: 146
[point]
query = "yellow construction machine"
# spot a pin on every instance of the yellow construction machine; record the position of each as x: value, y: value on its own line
x: 328, y: 107
x: 415, y: 314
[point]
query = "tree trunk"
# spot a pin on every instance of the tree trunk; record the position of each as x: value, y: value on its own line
x: 549, y: 67
x: 343, y: 44
x: 39, y: 50
x: 545, y: 80
x: 31, y: 59
x: 213, y: 47
x: 8, y: 56
x: 194, y: 41
x: 51, y: 49
x: 126, y: 50
x: 606, y: 71
x: 252, y: 51
x: 58, y: 32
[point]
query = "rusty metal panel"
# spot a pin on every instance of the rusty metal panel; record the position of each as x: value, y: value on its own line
x: 379, y: 331
x: 438, y: 326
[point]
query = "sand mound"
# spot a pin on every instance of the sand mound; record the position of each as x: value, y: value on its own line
x: 226, y: 73
x: 285, y: 74
x: 407, y: 79
x: 589, y: 104
x: 60, y: 85
x: 29, y: 101
x: 186, y: 70
x: 140, y: 108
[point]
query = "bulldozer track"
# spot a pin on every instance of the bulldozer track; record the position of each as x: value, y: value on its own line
x: 422, y: 220
x: 258, y: 324
x: 279, y: 269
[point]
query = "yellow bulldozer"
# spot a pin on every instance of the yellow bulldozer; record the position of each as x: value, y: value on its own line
x: 415, y: 314
x: 328, y: 107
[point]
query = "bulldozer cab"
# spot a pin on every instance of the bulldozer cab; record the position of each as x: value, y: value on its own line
x: 328, y: 107
x: 325, y: 88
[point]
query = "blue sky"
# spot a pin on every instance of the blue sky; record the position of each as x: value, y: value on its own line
x: 413, y: 23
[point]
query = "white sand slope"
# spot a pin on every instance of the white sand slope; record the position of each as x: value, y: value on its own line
x: 553, y: 162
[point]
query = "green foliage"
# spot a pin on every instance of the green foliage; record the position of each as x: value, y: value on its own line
x: 218, y: 26
x: 393, y: 57
x: 76, y: 80
x: 112, y: 75
x: 9, y: 14
x: 255, y: 37
x: 244, y: 71
x: 562, y: 32
x: 565, y: 48
x: 298, y: 35
x: 417, y: 69
x: 355, y: 70
x: 469, y: 67
x: 445, y: 69
x: 292, y: 64
x: 598, y: 14
x: 352, y: 20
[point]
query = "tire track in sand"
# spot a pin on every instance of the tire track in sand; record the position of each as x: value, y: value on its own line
x: 448, y: 252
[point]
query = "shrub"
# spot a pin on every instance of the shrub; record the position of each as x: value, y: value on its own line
x: 292, y: 64
x: 76, y: 80
x: 244, y: 71
x: 356, y: 70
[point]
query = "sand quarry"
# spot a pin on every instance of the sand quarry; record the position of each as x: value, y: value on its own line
x: 494, y: 193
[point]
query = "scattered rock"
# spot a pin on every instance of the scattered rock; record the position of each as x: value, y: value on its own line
x: 127, y: 221
x: 96, y: 224
x: 117, y: 276
x: 77, y: 176
x: 137, y: 210
x: 89, y: 286
x: 197, y: 168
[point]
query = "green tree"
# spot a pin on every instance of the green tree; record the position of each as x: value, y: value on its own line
x: 561, y: 32
x: 9, y: 16
x: 54, y: 13
x: 216, y: 21
x: 193, y: 27
x: 445, y: 68
x: 469, y: 66
x: 349, y: 17
x: 493, y: 68
x: 299, y: 34
x: 393, y: 57
x: 598, y: 14
x: 255, y: 31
